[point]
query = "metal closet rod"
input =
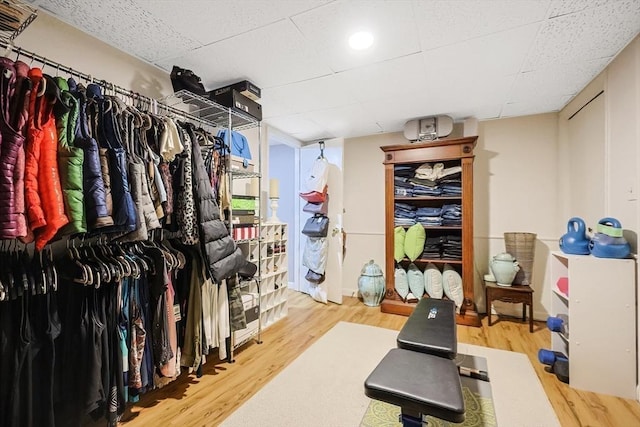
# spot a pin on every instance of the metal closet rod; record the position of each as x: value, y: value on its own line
x: 107, y: 85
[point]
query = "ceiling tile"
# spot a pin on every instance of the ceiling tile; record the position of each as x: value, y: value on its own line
x: 122, y: 25
x: 527, y: 108
x: 207, y: 63
x: 400, y: 76
x: 480, y: 112
x: 350, y: 119
x: 328, y: 28
x: 590, y: 34
x: 212, y: 21
x: 315, y: 94
x: 272, y: 107
x: 498, y: 54
x: 313, y: 136
x: 295, y: 124
x: 554, y: 81
x: 273, y: 55
x: 442, y: 23
x: 564, y: 7
x: 269, y: 56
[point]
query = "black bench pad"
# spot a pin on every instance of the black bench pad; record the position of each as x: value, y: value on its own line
x: 433, y: 334
x: 419, y: 383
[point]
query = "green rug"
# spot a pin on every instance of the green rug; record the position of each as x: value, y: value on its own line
x: 479, y: 412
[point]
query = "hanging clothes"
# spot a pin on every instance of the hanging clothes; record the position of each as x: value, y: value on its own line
x: 109, y: 136
x: 224, y: 257
x: 123, y: 317
x: 43, y: 193
x: 70, y: 162
x: 93, y: 185
x: 19, y: 120
x: 11, y: 145
x: 186, y: 208
x: 29, y: 326
x: 94, y: 98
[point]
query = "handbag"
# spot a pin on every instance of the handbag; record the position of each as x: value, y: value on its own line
x: 183, y: 79
x: 321, y: 208
x: 316, y: 252
x: 318, y: 176
x: 316, y: 226
x: 315, y: 196
x: 314, y: 277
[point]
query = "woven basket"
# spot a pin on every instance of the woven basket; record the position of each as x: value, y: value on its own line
x: 522, y: 246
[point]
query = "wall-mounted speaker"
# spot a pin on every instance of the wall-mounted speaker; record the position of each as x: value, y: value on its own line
x: 428, y: 128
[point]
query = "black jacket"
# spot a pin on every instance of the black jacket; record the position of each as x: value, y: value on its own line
x: 223, y: 258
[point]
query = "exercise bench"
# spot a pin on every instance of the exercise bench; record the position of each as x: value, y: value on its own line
x: 421, y: 376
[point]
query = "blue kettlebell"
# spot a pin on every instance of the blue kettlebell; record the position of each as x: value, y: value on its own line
x: 610, y: 227
x: 608, y: 242
x: 575, y: 241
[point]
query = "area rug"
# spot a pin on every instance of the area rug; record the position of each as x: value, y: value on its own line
x: 324, y: 386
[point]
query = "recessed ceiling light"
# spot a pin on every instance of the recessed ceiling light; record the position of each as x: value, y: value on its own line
x: 361, y: 40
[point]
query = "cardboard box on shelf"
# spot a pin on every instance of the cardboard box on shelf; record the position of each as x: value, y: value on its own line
x: 233, y: 99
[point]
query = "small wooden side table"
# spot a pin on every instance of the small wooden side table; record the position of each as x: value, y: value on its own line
x: 515, y: 294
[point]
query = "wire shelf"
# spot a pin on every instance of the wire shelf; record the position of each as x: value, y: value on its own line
x: 211, y: 111
x: 15, y: 17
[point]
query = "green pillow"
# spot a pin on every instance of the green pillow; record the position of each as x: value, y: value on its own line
x: 414, y: 241
x: 398, y: 243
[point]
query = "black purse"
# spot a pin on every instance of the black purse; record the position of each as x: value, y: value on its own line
x: 316, y: 226
x: 183, y: 79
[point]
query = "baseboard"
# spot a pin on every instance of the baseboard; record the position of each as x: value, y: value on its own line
x: 350, y: 292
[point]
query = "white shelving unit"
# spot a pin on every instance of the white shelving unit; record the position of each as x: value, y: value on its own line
x: 274, y: 277
x: 601, y: 306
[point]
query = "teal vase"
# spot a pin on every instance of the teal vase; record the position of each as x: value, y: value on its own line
x: 371, y: 284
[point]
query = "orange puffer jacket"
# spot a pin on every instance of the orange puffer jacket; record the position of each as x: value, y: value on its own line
x: 43, y: 193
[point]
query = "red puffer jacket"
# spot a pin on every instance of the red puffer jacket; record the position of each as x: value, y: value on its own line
x: 43, y: 193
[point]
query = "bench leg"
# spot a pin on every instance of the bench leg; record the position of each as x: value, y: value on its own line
x: 410, y: 419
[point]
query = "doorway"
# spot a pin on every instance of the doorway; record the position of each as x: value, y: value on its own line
x: 290, y: 164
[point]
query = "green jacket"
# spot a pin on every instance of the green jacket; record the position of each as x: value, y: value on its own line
x: 70, y: 162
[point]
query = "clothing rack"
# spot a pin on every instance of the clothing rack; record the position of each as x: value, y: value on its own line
x: 109, y: 87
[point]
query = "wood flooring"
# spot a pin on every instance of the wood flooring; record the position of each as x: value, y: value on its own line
x: 207, y: 401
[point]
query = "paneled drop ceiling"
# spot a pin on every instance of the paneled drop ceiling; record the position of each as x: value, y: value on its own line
x: 483, y: 58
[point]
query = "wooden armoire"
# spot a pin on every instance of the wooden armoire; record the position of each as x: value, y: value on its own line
x: 451, y: 153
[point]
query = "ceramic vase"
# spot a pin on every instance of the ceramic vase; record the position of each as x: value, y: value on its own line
x: 371, y: 284
x: 504, y: 268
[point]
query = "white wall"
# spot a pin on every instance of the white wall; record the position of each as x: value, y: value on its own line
x: 514, y: 190
x: 364, y: 205
x: 61, y: 43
